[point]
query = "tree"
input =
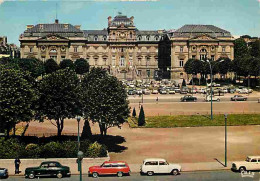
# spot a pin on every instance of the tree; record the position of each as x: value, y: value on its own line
x: 183, y: 83
x: 60, y: 97
x: 134, y: 113
x: 240, y: 48
x: 255, y: 49
x: 67, y: 63
x: 17, y: 97
x: 81, y: 66
x: 104, y: 99
x: 50, y: 66
x: 141, y: 118
x: 34, y: 66
x: 225, y: 66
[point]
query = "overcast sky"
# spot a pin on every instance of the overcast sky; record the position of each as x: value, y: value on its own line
x: 240, y: 17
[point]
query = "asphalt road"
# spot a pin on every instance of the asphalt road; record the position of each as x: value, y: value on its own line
x: 187, y: 176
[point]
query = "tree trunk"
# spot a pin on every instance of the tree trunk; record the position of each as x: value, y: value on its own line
x: 7, y: 131
x: 86, y: 132
x: 60, y: 124
x: 102, y: 129
x: 14, y: 130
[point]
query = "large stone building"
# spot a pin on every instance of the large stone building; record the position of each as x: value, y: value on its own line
x: 8, y: 50
x: 125, y: 51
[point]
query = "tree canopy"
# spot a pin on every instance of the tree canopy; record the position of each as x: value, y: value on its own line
x: 50, y: 66
x: 67, y: 63
x: 60, y: 97
x: 104, y: 99
x: 81, y: 66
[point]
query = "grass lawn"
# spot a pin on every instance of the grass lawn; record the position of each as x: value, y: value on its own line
x: 197, y: 121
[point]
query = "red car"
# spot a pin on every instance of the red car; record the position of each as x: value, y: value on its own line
x: 118, y: 168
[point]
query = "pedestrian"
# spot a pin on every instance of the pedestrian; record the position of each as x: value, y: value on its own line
x: 157, y: 99
x: 17, y: 163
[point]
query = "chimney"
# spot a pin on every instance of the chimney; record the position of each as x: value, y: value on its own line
x: 77, y: 26
x: 29, y: 27
x: 109, y: 20
x: 132, y: 19
x: 56, y: 21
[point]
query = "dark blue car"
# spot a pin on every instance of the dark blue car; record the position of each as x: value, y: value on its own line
x: 3, y: 173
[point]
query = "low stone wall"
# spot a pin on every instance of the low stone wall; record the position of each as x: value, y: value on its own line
x: 70, y: 162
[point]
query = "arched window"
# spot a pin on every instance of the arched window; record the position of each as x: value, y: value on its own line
x: 95, y: 38
x: 156, y: 38
x: 147, y: 37
x: 139, y: 38
x: 105, y: 38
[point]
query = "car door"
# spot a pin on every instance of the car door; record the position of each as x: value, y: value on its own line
x: 43, y: 169
x: 163, y: 167
x: 106, y: 169
x: 53, y: 168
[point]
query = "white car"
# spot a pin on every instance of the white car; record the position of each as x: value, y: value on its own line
x: 243, y: 91
x: 171, y: 91
x: 251, y: 163
x: 155, y: 91
x: 208, y: 98
x: 157, y: 165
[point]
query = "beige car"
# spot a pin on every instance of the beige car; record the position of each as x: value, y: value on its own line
x: 251, y: 163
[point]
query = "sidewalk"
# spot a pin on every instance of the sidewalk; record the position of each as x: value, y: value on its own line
x: 192, y: 167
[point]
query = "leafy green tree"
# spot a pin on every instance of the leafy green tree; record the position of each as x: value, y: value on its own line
x: 104, y: 99
x: 81, y: 66
x: 141, y: 118
x: 255, y: 49
x: 17, y: 97
x: 50, y: 66
x: 183, y: 83
x: 34, y: 66
x: 60, y: 97
x: 134, y: 113
x: 67, y: 63
x: 225, y: 66
x: 188, y: 67
x: 240, y: 48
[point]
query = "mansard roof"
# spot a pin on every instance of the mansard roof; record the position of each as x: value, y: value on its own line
x: 95, y: 32
x: 121, y: 19
x: 147, y: 32
x: 196, y: 30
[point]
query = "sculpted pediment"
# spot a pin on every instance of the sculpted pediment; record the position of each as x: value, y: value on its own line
x: 53, y: 37
x: 204, y: 37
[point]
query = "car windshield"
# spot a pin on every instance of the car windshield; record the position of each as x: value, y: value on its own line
x: 247, y: 159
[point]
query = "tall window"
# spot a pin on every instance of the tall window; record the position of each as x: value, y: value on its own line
x: 181, y: 63
x: 212, y: 57
x: 130, y: 61
x: 148, y: 73
x: 181, y: 48
x: 223, y: 49
x: 113, y: 60
x: 193, y: 56
x: 122, y: 61
x: 75, y: 49
x: 131, y: 35
x: 31, y: 49
x: 139, y: 60
x: 139, y: 72
x: 203, y: 54
x: 43, y: 58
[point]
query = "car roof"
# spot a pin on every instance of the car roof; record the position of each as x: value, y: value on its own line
x: 154, y: 159
x: 253, y: 156
x: 50, y: 162
x: 115, y: 162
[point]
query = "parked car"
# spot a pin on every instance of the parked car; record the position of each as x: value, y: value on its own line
x: 188, y: 98
x: 156, y: 165
x: 50, y: 168
x: 243, y: 91
x: 3, y: 173
x: 238, y: 98
x: 147, y: 92
x: 184, y: 90
x: 251, y: 163
x: 201, y: 90
x: 172, y: 91
x: 208, y: 98
x: 177, y: 90
x: 139, y: 92
x: 118, y: 168
x: 163, y: 91
x: 131, y: 92
x: 155, y: 91
x: 258, y: 100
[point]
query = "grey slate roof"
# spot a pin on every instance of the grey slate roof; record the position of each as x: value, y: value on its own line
x: 195, y: 30
x: 147, y: 32
x: 95, y: 32
x: 119, y: 19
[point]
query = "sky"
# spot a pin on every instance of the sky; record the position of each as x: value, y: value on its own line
x: 240, y: 17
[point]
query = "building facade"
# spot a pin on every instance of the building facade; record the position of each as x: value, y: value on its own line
x: 122, y: 49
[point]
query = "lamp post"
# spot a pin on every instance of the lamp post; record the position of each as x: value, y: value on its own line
x: 80, y: 153
x: 211, y: 104
x: 225, y: 139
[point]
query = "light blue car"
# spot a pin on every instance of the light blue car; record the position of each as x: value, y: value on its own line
x: 3, y: 173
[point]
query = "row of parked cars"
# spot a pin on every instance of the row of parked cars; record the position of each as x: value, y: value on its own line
x: 190, y: 98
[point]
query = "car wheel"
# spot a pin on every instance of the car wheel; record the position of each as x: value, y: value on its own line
x: 31, y: 176
x: 149, y: 173
x: 218, y: 100
x: 175, y: 172
x: 95, y: 175
x: 242, y: 169
x: 59, y: 175
x: 184, y: 100
x: 120, y: 174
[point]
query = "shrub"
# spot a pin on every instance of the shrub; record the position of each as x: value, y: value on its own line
x: 69, y: 149
x: 10, y: 148
x: 141, y: 119
x: 52, y: 150
x: 134, y: 113
x: 32, y: 151
x: 96, y: 150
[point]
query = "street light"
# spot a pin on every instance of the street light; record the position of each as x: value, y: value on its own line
x: 80, y: 154
x: 80, y: 157
x: 211, y: 67
x: 225, y: 139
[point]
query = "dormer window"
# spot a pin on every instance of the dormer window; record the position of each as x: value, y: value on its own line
x: 156, y: 38
x: 41, y: 27
x: 95, y: 38
x: 139, y: 38
x: 148, y: 38
x: 104, y: 38
x: 76, y: 34
x: 66, y: 26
